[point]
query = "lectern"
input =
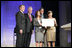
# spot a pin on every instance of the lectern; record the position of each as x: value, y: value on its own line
x: 65, y: 37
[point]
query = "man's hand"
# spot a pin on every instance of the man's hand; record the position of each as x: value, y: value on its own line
x: 21, y: 31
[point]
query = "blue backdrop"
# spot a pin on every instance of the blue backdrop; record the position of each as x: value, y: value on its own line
x: 8, y: 11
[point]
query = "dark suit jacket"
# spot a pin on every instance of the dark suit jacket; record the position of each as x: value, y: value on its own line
x: 45, y: 16
x: 20, y: 22
x: 29, y: 25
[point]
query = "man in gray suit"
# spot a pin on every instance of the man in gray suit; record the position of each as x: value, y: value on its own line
x: 29, y: 26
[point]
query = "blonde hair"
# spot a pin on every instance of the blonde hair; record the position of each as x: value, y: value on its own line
x: 50, y: 12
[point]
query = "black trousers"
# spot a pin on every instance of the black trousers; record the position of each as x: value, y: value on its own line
x: 23, y: 40
x: 27, y: 39
x: 20, y: 40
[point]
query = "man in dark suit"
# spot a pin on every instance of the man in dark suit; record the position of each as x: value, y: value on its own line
x: 43, y: 16
x: 42, y: 13
x: 20, y: 26
x: 29, y: 26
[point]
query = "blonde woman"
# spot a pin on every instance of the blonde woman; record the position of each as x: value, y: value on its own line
x: 51, y: 31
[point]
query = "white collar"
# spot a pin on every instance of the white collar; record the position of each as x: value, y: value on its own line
x: 29, y: 14
x: 21, y: 11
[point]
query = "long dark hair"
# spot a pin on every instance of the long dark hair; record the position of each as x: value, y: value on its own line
x: 36, y: 14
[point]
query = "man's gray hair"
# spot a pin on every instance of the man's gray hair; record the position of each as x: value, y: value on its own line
x: 30, y: 8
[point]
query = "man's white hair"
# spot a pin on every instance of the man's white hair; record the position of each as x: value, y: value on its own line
x: 30, y: 8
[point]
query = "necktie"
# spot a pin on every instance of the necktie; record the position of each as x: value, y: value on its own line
x: 30, y: 18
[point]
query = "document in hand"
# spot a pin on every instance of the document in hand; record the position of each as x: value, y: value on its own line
x: 47, y: 22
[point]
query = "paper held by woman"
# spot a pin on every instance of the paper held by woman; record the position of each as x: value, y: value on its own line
x: 47, y: 22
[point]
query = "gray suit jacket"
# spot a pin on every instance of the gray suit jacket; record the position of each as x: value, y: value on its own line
x: 37, y: 25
